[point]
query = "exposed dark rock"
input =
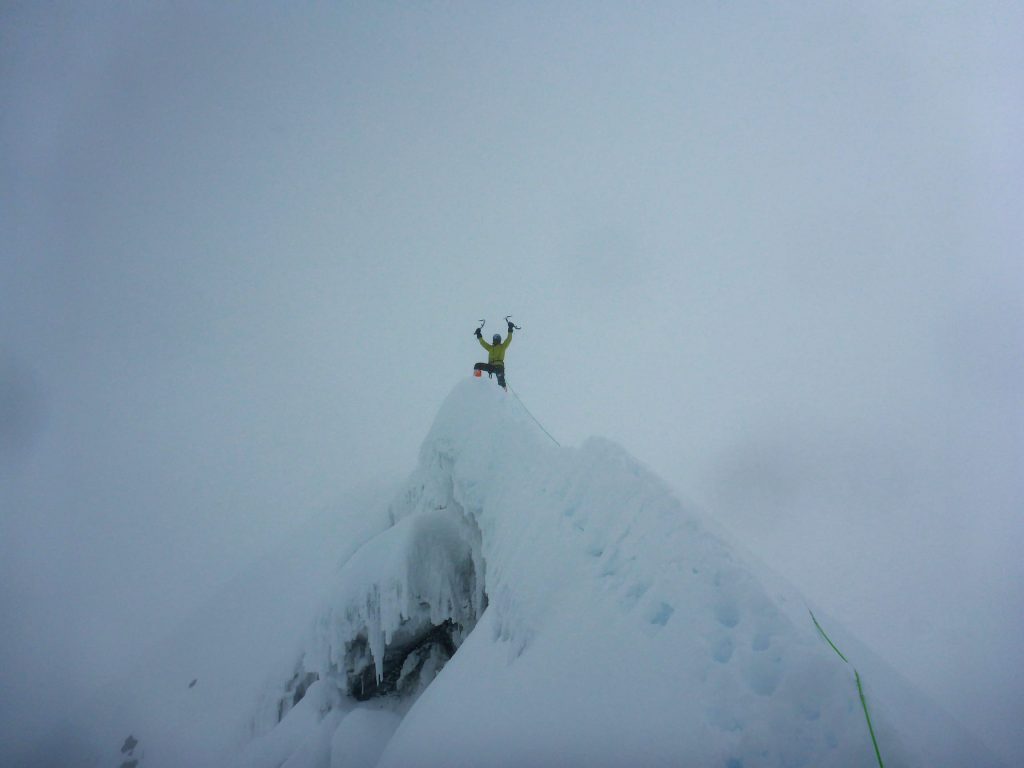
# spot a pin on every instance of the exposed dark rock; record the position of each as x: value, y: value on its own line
x: 404, y: 660
x: 295, y: 690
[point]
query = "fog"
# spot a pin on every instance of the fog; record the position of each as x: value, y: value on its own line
x: 772, y: 250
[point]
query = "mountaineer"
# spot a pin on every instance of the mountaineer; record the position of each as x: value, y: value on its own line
x: 495, y: 354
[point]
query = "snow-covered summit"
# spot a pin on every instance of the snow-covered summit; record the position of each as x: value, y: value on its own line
x: 526, y: 604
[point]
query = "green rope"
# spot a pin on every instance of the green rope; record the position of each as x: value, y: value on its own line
x: 860, y: 689
x: 871, y: 729
x: 827, y: 640
x: 533, y: 417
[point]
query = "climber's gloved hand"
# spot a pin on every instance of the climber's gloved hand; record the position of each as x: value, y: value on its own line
x: 478, y: 334
x: 510, y: 326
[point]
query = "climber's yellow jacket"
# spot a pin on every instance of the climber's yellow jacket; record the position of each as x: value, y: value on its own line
x: 496, y: 352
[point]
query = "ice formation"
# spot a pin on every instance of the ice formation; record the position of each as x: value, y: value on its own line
x: 527, y: 604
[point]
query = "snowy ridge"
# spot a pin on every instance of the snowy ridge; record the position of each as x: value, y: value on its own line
x: 572, y: 530
x: 524, y: 604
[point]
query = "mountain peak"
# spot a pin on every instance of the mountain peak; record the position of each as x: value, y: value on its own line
x: 523, y: 604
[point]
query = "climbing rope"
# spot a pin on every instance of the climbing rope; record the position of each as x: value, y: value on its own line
x: 860, y: 688
x: 533, y: 417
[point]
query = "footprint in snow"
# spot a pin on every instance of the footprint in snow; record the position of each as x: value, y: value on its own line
x: 660, y: 613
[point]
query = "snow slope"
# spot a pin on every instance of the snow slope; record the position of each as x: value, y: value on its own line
x: 531, y: 605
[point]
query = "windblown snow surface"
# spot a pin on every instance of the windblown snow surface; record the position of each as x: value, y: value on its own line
x: 522, y: 604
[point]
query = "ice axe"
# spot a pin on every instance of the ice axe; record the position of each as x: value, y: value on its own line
x: 518, y: 328
x: 482, y: 324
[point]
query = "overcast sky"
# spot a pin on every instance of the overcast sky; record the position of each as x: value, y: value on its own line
x: 772, y: 249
